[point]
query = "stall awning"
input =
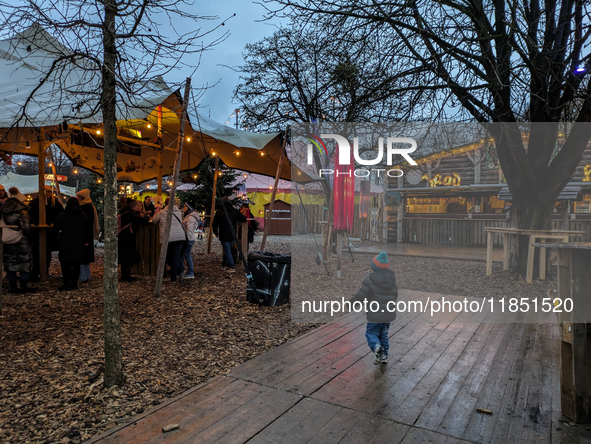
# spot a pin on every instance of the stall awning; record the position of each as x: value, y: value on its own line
x: 568, y: 193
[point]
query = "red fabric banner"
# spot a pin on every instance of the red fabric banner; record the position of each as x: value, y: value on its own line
x: 343, y: 195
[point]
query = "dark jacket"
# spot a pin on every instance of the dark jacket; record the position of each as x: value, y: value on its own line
x: 17, y: 257
x: 126, y: 246
x: 74, y: 230
x: 88, y: 209
x: 51, y: 215
x: 220, y: 224
x: 149, y: 208
x: 379, y: 286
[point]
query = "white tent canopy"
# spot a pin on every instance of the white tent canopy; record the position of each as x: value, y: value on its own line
x: 30, y: 184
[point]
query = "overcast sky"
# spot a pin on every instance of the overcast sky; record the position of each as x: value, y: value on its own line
x: 243, y: 29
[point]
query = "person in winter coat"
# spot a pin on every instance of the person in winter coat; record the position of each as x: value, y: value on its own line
x: 129, y: 219
x: 17, y: 256
x: 176, y: 239
x: 252, y: 223
x: 53, y: 208
x: 190, y: 222
x: 88, y: 208
x: 74, y: 233
x: 3, y: 194
x: 221, y: 228
x: 379, y: 286
x: 149, y: 206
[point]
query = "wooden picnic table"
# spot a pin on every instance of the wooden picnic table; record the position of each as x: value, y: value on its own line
x: 534, y: 235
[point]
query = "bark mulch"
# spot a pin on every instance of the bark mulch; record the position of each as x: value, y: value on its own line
x: 51, y: 343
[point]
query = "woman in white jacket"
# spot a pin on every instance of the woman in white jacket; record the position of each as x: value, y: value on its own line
x: 175, y: 241
x: 190, y: 222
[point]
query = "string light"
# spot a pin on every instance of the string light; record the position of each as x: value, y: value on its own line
x: 262, y: 154
x: 213, y: 153
x: 195, y: 176
x: 76, y: 171
x: 50, y: 164
x: 28, y: 145
x: 99, y: 181
x: 19, y: 163
x: 237, y: 153
x: 98, y: 132
x: 188, y: 139
x: 149, y: 125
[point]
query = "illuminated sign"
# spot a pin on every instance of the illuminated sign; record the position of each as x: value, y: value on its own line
x: 587, y: 172
x: 448, y: 181
x: 59, y: 178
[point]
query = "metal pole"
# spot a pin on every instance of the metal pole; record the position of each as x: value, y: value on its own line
x: 177, y: 167
x: 42, y: 216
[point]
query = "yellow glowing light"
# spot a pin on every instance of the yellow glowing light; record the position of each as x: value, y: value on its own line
x: 50, y: 164
x: 188, y: 139
x: 262, y: 154
x: 75, y: 171
x: 245, y: 176
x: 98, y: 132
x: 237, y: 153
x: 213, y: 153
x: 149, y: 125
x: 99, y: 181
x: 195, y: 176
x: 220, y: 173
x: 170, y: 183
x: 19, y: 163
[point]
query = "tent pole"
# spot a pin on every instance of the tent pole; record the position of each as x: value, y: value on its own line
x: 42, y: 218
x: 177, y: 167
x: 215, y: 184
x: 274, y: 193
x: 159, y: 191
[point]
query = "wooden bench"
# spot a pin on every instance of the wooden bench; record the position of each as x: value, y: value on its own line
x: 534, y: 235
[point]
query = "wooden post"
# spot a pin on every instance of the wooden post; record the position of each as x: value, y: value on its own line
x: 489, y: 252
x: 505, y: 251
x: 1, y: 260
x: 42, y: 216
x: 177, y: 167
x: 328, y: 231
x: 159, y: 133
x: 215, y: 185
x: 273, y: 194
x: 531, y: 252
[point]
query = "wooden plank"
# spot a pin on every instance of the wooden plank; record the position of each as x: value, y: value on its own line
x: 505, y: 251
x: 460, y: 355
x: 530, y: 260
x: 515, y: 396
x: 299, y: 424
x: 480, y: 427
x: 464, y: 404
x: 489, y: 251
x: 245, y: 421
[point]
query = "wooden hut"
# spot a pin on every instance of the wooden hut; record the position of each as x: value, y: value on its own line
x: 281, y: 217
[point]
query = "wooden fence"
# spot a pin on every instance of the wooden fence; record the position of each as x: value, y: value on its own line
x: 470, y: 232
x: 317, y: 213
x: 148, y: 247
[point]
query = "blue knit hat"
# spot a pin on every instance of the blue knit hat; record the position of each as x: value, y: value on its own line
x: 380, y: 262
x: 189, y: 206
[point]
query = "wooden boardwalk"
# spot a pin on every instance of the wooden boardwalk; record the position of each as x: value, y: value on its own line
x: 324, y: 388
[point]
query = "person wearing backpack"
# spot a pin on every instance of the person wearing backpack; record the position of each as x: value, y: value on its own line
x: 18, y: 253
x: 74, y: 232
x: 177, y: 238
x: 128, y: 220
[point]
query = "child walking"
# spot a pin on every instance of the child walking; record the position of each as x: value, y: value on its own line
x: 379, y: 286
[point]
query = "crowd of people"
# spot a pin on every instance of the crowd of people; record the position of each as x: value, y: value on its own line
x: 75, y: 228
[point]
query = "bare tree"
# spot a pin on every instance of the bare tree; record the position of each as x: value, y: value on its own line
x: 500, y: 62
x: 100, y: 62
x: 303, y: 73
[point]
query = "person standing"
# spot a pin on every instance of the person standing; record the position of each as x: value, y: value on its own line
x: 176, y: 239
x: 379, y: 286
x: 3, y: 194
x: 88, y: 208
x: 222, y: 229
x: 190, y: 222
x: 53, y: 208
x: 17, y: 254
x: 149, y: 206
x: 74, y: 233
x: 129, y: 219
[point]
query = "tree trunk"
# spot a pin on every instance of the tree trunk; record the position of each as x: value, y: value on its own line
x: 535, y: 216
x: 111, y: 315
